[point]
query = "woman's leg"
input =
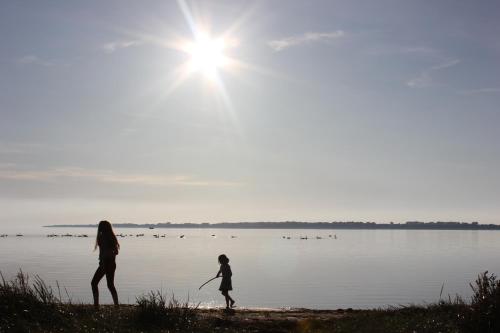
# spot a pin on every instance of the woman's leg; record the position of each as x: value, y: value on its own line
x: 110, y: 279
x: 99, y: 273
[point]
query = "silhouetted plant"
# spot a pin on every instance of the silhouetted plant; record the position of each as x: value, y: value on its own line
x: 21, y: 289
x: 30, y: 302
x: 154, y: 310
x: 484, y: 313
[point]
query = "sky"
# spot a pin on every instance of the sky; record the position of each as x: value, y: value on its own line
x: 312, y: 111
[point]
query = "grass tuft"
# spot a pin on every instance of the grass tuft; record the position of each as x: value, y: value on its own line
x: 153, y: 310
x: 26, y: 304
x: 484, y: 311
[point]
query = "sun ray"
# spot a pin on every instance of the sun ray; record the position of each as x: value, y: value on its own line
x: 187, y: 15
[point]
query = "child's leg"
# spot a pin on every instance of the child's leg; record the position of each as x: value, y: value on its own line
x: 232, y: 300
x: 226, y: 296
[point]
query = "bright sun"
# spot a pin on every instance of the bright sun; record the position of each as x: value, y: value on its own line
x: 207, y: 55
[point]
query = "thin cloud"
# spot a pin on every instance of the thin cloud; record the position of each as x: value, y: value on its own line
x: 123, y: 44
x: 34, y: 60
x: 382, y: 50
x: 449, y: 63
x: 420, y: 50
x: 20, y: 148
x: 106, y: 176
x: 425, y: 78
x: 481, y: 91
x: 308, y: 37
x: 4, y: 165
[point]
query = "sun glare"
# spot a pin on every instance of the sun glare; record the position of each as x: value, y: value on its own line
x: 207, y: 55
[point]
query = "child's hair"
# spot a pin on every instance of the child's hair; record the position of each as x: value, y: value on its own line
x: 223, y: 259
x: 105, y: 235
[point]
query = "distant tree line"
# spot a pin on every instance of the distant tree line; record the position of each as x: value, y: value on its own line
x: 409, y: 225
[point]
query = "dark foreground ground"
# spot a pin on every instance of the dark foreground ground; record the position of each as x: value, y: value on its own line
x: 84, y: 318
x: 32, y: 306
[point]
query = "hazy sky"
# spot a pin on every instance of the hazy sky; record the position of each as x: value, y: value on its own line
x: 328, y: 110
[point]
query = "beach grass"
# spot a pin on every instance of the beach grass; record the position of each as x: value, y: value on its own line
x: 30, y: 305
x: 156, y: 310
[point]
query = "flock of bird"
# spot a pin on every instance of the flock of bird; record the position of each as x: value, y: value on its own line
x: 306, y: 238
x: 158, y: 236
x: 68, y: 235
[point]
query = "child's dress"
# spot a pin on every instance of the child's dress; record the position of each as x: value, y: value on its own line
x: 225, y: 284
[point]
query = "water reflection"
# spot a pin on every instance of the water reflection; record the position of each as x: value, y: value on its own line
x: 360, y: 269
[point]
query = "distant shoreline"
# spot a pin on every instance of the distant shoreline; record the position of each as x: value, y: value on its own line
x: 410, y: 225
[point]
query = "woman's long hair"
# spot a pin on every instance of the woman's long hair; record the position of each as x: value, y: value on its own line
x: 106, y: 235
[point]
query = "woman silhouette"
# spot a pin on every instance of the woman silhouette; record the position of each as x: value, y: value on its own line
x: 108, y: 249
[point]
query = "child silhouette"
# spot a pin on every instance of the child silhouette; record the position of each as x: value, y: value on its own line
x: 225, y: 285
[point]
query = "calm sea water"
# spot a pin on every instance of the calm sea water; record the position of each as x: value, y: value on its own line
x: 359, y: 269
